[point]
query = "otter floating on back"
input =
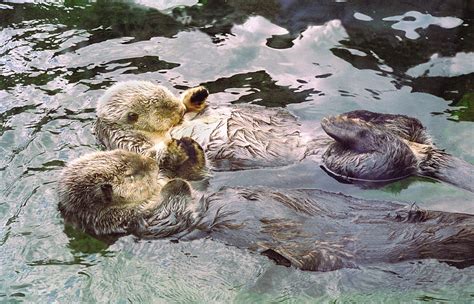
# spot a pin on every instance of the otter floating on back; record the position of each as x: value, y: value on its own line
x: 123, y: 192
x: 137, y: 116
x: 119, y: 192
x: 361, y: 145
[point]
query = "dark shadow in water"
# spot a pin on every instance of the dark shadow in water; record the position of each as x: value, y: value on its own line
x: 138, y: 65
x: 359, y: 62
x: 81, y: 246
x: 37, y: 79
x: 112, y: 19
x: 262, y: 89
x: 398, y: 186
x: 104, y: 19
x: 83, y: 243
x: 57, y: 114
x: 466, y: 112
x: 5, y: 116
x: 460, y: 89
x: 375, y: 36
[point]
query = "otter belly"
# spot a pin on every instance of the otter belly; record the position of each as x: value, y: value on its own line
x: 245, y: 137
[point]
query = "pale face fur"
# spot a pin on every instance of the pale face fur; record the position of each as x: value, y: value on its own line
x: 109, y: 190
x: 142, y: 106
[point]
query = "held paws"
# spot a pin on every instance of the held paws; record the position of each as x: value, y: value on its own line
x: 184, y: 158
x: 195, y: 99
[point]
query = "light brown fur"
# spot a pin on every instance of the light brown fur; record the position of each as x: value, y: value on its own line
x: 136, y: 115
x: 116, y: 192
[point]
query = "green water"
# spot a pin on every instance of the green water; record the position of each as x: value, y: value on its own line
x: 313, y: 57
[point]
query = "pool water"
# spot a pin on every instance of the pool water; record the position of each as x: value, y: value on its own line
x: 315, y: 58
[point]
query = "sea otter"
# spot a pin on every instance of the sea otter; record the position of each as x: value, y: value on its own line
x: 361, y: 145
x: 123, y: 192
x: 137, y: 116
x: 117, y: 192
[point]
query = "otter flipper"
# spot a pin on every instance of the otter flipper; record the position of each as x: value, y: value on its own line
x: 184, y: 158
x: 363, y: 151
x: 405, y: 127
x: 306, y: 258
x: 195, y: 99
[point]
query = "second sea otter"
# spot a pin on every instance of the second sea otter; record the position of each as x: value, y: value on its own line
x: 120, y: 192
x: 359, y: 145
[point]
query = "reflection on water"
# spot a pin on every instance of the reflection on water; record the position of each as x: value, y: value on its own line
x: 313, y: 57
x: 412, y: 21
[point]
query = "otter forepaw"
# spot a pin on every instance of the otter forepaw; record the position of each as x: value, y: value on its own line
x: 184, y: 158
x: 195, y: 99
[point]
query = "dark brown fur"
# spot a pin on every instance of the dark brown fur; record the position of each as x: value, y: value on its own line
x: 321, y: 231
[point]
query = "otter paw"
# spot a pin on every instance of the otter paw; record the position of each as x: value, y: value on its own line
x: 195, y: 99
x: 184, y: 158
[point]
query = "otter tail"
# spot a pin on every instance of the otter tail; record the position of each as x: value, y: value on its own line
x: 442, y: 166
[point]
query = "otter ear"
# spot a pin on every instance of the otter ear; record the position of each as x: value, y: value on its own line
x: 107, y: 192
x: 132, y: 117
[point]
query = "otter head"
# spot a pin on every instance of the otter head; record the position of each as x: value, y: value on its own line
x: 141, y: 106
x: 366, y: 151
x: 108, y: 192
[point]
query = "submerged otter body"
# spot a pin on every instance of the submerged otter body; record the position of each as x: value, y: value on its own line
x: 321, y: 231
x: 309, y: 229
x: 358, y: 145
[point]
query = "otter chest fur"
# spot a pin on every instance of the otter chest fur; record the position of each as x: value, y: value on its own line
x: 246, y: 136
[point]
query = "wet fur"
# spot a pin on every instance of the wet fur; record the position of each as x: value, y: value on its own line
x: 137, y: 115
x: 321, y: 231
x: 367, y: 146
x: 118, y: 192
x: 308, y: 229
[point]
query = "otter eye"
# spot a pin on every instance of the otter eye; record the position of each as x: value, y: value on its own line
x: 132, y: 117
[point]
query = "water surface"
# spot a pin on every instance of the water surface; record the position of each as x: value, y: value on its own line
x: 313, y: 57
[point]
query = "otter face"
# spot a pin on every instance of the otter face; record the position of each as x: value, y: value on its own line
x: 105, y: 191
x: 365, y: 151
x: 141, y: 106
